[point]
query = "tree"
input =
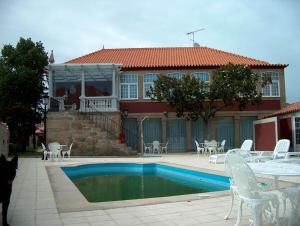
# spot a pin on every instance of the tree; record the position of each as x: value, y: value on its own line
x: 22, y: 72
x: 230, y: 85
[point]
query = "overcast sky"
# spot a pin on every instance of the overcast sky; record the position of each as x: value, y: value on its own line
x: 262, y: 29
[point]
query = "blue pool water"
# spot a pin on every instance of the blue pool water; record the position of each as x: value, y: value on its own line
x: 123, y: 181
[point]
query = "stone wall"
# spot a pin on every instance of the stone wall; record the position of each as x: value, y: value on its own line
x: 4, y: 139
x: 87, y: 138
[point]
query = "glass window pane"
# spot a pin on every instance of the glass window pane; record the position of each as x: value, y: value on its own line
x: 271, y: 89
x: 177, y: 75
x: 146, y: 89
x: 150, y: 77
x: 266, y: 90
x: 124, y: 91
x: 128, y: 78
x: 133, y: 91
x: 201, y: 76
x: 98, y: 88
x: 275, y: 91
x: 128, y: 86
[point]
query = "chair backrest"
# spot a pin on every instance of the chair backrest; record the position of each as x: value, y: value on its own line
x: 54, y: 147
x: 223, y: 143
x: 70, y: 148
x: 44, y: 147
x: 213, y: 143
x: 166, y: 145
x: 282, y: 147
x: 247, y: 145
x: 197, y: 144
x: 227, y: 166
x: 156, y: 144
x: 242, y: 175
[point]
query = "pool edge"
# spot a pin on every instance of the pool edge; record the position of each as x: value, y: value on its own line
x: 69, y: 199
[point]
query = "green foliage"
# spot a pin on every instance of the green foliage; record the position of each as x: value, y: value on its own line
x: 180, y: 94
x: 15, y: 148
x: 230, y: 85
x: 22, y: 72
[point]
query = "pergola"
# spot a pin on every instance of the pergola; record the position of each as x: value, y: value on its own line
x: 83, y: 73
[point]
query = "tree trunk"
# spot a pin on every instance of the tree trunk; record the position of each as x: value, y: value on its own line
x: 34, y: 141
x: 206, y: 134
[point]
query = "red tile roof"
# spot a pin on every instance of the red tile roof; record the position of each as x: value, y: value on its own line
x: 140, y: 58
x: 289, y: 109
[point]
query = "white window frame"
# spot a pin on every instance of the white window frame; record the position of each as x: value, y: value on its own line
x: 270, y: 85
x: 128, y: 85
x: 151, y: 84
x: 201, y: 72
x: 171, y: 74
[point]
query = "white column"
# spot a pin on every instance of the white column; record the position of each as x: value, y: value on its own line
x: 82, y: 97
x: 82, y: 84
x: 114, y: 81
x: 50, y: 80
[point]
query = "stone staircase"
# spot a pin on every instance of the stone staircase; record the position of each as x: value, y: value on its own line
x: 89, y: 140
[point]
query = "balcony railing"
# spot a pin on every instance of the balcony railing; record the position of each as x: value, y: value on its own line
x: 87, y: 104
x: 100, y: 104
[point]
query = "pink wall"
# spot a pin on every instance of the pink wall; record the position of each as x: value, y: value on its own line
x: 152, y: 106
x: 265, y: 136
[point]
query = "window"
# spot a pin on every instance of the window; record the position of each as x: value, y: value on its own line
x: 177, y: 75
x: 202, y: 76
x: 128, y: 86
x: 271, y: 90
x: 148, y: 82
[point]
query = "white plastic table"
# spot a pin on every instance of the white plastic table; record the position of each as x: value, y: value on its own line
x: 277, y: 169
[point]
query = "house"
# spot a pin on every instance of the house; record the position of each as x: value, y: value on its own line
x: 282, y: 124
x: 115, y: 81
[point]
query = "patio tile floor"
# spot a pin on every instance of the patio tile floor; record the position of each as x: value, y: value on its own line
x: 33, y: 202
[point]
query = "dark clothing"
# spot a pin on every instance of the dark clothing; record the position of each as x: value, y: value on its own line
x: 7, y: 175
x: 5, y: 202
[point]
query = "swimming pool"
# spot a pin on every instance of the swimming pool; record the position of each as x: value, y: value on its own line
x: 126, y: 181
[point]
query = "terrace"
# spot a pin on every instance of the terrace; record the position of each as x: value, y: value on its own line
x: 36, y: 198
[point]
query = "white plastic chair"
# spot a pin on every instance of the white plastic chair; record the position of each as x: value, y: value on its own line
x: 54, y: 149
x: 280, y: 151
x: 45, y: 152
x: 212, y: 148
x: 164, y: 148
x: 222, y: 147
x: 200, y: 150
x: 206, y: 145
x: 68, y: 152
x: 156, y: 146
x: 293, y: 194
x: 147, y: 147
x: 244, y: 183
x: 244, y: 150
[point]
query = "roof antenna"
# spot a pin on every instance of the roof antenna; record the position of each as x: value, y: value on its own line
x: 195, y: 44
